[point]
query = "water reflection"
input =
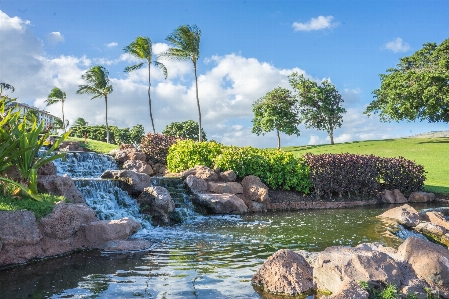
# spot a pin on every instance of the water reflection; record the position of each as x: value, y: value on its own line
x: 211, y: 257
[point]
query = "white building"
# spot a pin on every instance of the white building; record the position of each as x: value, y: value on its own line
x: 42, y: 114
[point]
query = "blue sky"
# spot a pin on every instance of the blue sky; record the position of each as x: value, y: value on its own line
x: 247, y: 49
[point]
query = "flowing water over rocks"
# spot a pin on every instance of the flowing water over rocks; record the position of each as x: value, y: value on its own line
x: 204, y: 257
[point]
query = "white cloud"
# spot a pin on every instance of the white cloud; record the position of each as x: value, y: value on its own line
x: 15, y: 23
x: 112, y: 45
x: 397, y: 45
x: 54, y: 37
x: 318, y: 23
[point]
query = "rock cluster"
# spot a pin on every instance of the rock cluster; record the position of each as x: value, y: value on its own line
x: 129, y: 158
x: 414, y: 267
x: 71, y: 146
x: 396, y: 197
x: 431, y: 224
x: 219, y: 193
x: 69, y: 227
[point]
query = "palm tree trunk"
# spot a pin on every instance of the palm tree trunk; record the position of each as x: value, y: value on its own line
x: 149, y: 96
x: 63, y: 121
x: 107, y: 127
x: 279, y: 140
x: 197, y: 103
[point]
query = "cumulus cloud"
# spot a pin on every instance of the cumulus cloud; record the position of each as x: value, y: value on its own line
x: 54, y: 38
x: 318, y: 23
x: 112, y: 45
x: 397, y: 46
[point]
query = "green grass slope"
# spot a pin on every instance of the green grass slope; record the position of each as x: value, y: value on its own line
x: 432, y: 153
x: 94, y: 145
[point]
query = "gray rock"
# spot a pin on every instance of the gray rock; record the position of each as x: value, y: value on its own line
x: 229, y: 187
x: 421, y: 197
x: 196, y: 184
x: 221, y: 203
x: 405, y: 215
x: 60, y: 185
x: 100, y: 232
x: 19, y: 228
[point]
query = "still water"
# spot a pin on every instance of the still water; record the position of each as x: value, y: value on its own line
x: 209, y: 257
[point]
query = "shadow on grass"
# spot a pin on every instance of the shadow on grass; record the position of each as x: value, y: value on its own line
x: 445, y: 140
x: 444, y: 190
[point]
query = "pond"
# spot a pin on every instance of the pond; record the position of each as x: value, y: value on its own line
x: 207, y: 257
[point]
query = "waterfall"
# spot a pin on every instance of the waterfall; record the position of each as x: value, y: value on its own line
x: 84, y: 165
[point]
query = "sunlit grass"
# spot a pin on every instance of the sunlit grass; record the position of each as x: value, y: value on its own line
x: 432, y: 153
x: 94, y: 145
x: 39, y: 208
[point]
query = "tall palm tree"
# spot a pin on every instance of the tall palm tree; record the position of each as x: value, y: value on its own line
x: 98, y: 86
x: 6, y: 86
x: 185, y: 42
x: 142, y: 48
x: 57, y: 95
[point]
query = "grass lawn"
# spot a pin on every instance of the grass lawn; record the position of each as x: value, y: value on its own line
x: 432, y: 153
x: 39, y: 208
x: 94, y: 145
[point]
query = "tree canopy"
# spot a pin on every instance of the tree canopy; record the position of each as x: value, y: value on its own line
x: 319, y: 104
x: 187, y: 129
x: 417, y: 88
x: 277, y: 110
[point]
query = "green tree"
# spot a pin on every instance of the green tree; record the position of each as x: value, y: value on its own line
x: 185, y: 42
x: 142, y: 48
x: 319, y: 104
x: 80, y: 122
x: 187, y: 129
x: 98, y: 86
x: 56, y: 95
x: 5, y: 86
x: 277, y: 110
x: 137, y: 133
x: 417, y: 88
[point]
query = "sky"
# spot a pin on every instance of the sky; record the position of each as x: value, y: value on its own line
x: 247, y: 49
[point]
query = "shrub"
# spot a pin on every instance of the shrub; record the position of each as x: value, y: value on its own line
x: 156, y: 146
x: 351, y: 175
x: 186, y: 154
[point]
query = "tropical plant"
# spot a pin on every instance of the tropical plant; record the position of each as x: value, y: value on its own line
x: 187, y: 130
x: 56, y: 95
x: 97, y: 78
x: 6, y: 87
x: 79, y: 122
x: 319, y: 104
x: 142, y: 48
x: 58, y: 124
x: 277, y: 110
x: 417, y: 88
x: 137, y: 133
x: 185, y: 42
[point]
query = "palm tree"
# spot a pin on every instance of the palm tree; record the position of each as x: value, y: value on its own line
x: 98, y: 86
x: 142, y: 48
x: 6, y: 86
x: 185, y: 42
x: 57, y: 95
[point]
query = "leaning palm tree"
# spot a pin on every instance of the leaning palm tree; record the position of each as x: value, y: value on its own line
x: 142, y: 48
x: 185, y: 42
x: 57, y: 95
x: 98, y: 86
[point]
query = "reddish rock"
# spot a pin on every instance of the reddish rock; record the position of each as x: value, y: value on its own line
x: 338, y: 264
x: 285, y: 272
x: 60, y: 185
x: 100, y: 232
x: 350, y: 289
x: 66, y: 219
x: 129, y: 154
x: 405, y: 215
x: 429, y: 261
x: 228, y: 176
x: 394, y: 196
x: 222, y: 203
x: 254, y: 189
x: 196, y: 184
x: 138, y: 166
x: 421, y: 197
x: 435, y: 218
x: 47, y: 169
x: 18, y: 228
x: 399, y: 197
x: 124, y: 146
x: 229, y: 187
x: 201, y: 172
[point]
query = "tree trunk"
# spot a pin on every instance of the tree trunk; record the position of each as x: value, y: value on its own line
x: 331, y: 135
x: 63, y: 121
x: 197, y: 103
x: 107, y: 127
x: 149, y: 96
x: 279, y: 140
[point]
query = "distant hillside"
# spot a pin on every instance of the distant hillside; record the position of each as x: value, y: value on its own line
x: 432, y: 134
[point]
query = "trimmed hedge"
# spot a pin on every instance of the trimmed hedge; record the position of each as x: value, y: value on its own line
x: 361, y: 176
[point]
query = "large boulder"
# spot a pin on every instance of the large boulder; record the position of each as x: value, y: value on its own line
x: 138, y: 166
x: 421, y: 197
x: 98, y: 233
x: 60, y: 185
x: 229, y: 187
x: 436, y: 218
x: 228, y: 176
x: 201, y: 172
x: 254, y: 189
x: 338, y: 264
x: 135, y: 182
x: 394, y: 196
x: 47, y: 169
x: 196, y: 184
x: 221, y: 203
x: 18, y: 228
x: 129, y: 154
x: 285, y: 272
x: 350, y: 289
x: 157, y: 202
x: 66, y: 219
x: 405, y: 215
x: 428, y: 260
